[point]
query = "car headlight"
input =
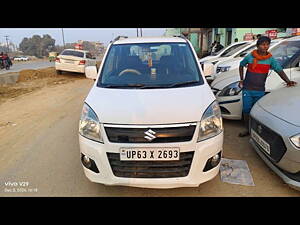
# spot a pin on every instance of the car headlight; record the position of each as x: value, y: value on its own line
x: 221, y: 69
x: 211, y: 122
x: 296, y: 140
x: 214, y: 62
x: 89, y: 125
x: 231, y: 89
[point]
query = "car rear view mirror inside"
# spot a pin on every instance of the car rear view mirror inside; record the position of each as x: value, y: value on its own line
x: 91, y: 72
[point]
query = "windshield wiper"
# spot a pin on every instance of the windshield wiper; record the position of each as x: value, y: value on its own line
x: 184, y: 83
x: 124, y: 86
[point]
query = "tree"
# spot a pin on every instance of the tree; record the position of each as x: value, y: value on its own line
x: 37, y: 46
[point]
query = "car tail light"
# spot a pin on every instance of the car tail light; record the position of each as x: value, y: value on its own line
x: 57, y: 60
x: 82, y: 62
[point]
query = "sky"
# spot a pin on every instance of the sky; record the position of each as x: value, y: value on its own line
x: 104, y: 35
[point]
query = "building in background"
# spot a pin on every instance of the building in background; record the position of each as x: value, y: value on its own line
x: 202, y: 38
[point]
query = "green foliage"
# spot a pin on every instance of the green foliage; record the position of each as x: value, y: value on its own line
x: 37, y: 46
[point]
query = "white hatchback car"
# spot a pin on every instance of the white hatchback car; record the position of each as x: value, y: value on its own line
x: 226, y: 88
x: 150, y: 120
x: 73, y: 60
x: 214, y: 56
x: 275, y: 132
x: 247, y: 46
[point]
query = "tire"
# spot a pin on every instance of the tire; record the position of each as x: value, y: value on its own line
x: 59, y: 72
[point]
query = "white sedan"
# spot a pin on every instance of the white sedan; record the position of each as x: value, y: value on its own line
x: 73, y: 60
x: 229, y: 94
x: 21, y: 58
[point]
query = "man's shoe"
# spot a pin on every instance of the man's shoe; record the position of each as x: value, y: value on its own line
x: 244, y: 134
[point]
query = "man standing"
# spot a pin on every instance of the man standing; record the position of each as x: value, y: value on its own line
x: 259, y: 62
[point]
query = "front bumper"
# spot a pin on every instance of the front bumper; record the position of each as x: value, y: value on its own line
x: 284, y: 158
x: 202, y: 152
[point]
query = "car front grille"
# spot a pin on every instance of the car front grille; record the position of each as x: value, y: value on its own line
x: 161, y: 135
x: 151, y: 169
x: 277, y: 146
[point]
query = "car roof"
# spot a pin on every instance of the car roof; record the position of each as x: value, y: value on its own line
x: 76, y: 50
x: 293, y: 38
x: 157, y: 39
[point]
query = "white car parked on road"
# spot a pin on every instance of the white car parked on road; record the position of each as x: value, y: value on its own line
x: 226, y: 88
x: 73, y: 60
x: 151, y: 119
x: 21, y: 58
x: 234, y: 63
x: 222, y: 52
x: 240, y: 50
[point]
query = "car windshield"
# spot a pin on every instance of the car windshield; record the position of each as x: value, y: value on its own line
x: 235, y: 50
x: 150, y: 65
x: 285, y: 51
x: 73, y: 53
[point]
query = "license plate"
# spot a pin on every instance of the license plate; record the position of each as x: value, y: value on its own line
x: 69, y: 61
x: 149, y: 154
x: 261, y: 142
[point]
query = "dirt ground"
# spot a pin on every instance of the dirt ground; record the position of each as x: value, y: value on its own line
x: 39, y: 145
x: 32, y: 80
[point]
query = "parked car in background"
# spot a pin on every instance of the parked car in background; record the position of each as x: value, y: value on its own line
x: 151, y: 119
x: 234, y: 63
x: 73, y: 60
x: 226, y: 88
x: 275, y: 132
x: 248, y: 46
x: 20, y: 58
x: 223, y: 51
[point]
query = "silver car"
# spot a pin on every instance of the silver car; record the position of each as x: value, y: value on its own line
x: 275, y: 132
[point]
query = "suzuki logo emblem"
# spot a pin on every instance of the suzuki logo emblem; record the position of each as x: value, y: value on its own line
x: 150, y: 135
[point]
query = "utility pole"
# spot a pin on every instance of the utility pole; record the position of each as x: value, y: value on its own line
x: 6, y: 37
x: 63, y: 36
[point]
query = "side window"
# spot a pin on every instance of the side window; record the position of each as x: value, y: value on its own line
x: 89, y: 55
x: 230, y: 49
x: 245, y: 52
x: 296, y: 62
x: 287, y: 53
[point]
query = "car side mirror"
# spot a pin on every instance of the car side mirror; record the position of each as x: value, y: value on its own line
x: 91, y: 72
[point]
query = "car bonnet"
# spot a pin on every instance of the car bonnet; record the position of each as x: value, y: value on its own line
x: 150, y: 106
x: 283, y: 103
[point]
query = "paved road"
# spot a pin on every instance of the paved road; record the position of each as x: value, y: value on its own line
x: 27, y: 65
x: 40, y: 152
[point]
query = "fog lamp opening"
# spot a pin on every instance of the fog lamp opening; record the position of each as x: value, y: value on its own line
x: 212, y: 162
